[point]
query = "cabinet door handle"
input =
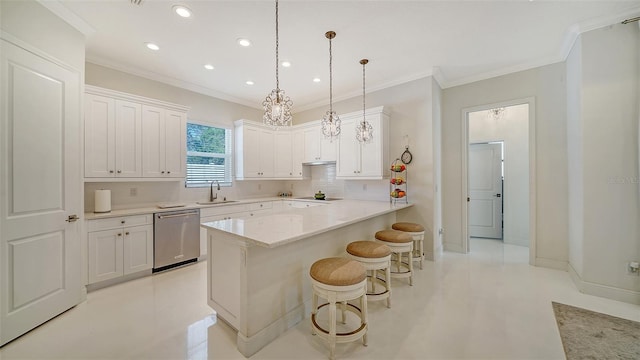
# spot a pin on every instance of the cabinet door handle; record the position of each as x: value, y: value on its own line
x: 110, y: 171
x: 162, y: 172
x: 122, y: 221
x: 119, y: 171
x: 127, y: 233
x: 168, y: 172
x: 119, y: 234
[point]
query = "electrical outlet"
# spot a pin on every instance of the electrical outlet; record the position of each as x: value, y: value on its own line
x: 291, y: 186
x: 133, y: 192
x: 633, y: 268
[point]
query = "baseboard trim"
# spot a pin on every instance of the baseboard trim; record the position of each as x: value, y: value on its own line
x: 552, y: 264
x: 454, y: 248
x: 249, y: 345
x: 604, y: 291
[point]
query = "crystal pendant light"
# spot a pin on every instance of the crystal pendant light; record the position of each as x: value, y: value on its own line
x: 330, y: 120
x: 364, y: 130
x: 277, y: 106
x: 496, y: 114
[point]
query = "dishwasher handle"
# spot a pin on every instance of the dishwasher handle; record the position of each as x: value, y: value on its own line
x: 160, y: 216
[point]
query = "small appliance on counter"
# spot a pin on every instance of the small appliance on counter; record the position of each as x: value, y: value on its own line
x: 102, y: 201
x: 319, y: 196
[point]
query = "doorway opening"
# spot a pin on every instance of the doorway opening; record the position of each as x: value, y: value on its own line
x: 499, y: 172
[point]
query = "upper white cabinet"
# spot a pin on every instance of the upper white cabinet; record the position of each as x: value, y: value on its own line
x: 112, y: 137
x: 297, y: 153
x: 163, y: 144
x: 255, y: 154
x: 368, y: 160
x: 283, y: 155
x: 128, y: 136
x: 316, y: 147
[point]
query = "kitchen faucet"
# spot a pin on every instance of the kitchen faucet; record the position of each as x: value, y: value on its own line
x: 211, y: 197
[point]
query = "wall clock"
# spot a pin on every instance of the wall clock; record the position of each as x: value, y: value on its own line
x: 406, y: 156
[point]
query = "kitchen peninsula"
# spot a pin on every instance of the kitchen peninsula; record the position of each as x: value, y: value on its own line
x: 257, y: 276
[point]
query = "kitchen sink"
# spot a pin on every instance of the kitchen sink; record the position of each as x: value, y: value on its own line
x: 215, y: 202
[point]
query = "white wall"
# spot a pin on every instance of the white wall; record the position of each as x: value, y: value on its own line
x: 574, y: 152
x: 513, y: 130
x: 547, y: 85
x: 609, y: 120
x: 411, y: 113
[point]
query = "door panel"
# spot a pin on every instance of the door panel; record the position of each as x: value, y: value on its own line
x: 128, y: 139
x: 152, y: 142
x: 105, y: 255
x: 99, y: 136
x: 138, y: 249
x: 39, y: 189
x: 175, y: 147
x: 485, y: 190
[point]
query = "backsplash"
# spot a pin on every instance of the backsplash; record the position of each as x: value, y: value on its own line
x: 126, y: 195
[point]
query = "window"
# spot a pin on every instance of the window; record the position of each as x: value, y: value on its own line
x: 208, y: 155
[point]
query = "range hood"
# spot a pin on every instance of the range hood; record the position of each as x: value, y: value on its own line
x: 320, y: 162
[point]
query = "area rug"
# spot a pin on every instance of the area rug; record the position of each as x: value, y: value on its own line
x: 591, y: 335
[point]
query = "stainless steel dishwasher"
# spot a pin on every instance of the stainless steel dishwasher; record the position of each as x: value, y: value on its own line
x: 176, y: 238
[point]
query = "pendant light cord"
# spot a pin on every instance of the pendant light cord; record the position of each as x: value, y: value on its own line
x: 277, y: 44
x: 363, y: 96
x: 330, y: 79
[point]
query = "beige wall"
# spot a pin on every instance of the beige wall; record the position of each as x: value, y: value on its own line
x: 606, y: 146
x: 547, y: 85
x: 411, y: 113
x: 51, y: 35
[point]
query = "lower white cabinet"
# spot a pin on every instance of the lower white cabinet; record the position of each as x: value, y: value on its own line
x: 119, y: 246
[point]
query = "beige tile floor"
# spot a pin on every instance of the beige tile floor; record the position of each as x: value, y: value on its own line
x: 488, y: 304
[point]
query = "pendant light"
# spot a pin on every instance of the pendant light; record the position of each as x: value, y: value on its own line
x: 330, y: 120
x: 364, y: 130
x: 277, y: 106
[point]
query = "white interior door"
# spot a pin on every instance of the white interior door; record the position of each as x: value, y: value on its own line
x: 485, y: 190
x: 39, y: 190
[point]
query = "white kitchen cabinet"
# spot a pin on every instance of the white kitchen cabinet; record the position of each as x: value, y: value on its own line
x: 283, y: 155
x: 112, y: 137
x: 288, y: 154
x: 316, y: 147
x: 164, y: 143
x: 297, y: 153
x: 129, y: 136
x: 255, y: 154
x: 363, y: 160
x: 119, y: 246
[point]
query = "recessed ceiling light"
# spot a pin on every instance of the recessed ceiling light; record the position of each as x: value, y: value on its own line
x: 152, y: 46
x: 316, y: 79
x: 244, y: 42
x: 249, y: 82
x: 182, y: 10
x: 286, y: 64
x: 208, y: 66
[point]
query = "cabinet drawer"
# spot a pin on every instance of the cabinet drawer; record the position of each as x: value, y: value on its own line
x: 118, y: 222
x: 260, y: 205
x: 221, y: 210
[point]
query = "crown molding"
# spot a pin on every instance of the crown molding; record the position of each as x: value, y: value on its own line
x: 172, y: 81
x: 69, y: 16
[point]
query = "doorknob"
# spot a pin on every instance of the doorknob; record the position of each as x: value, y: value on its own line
x: 498, y: 195
x: 72, y: 218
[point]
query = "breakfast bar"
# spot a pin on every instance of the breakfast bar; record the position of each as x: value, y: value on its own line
x: 257, y: 275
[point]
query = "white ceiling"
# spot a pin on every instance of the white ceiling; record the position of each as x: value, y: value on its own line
x: 456, y: 41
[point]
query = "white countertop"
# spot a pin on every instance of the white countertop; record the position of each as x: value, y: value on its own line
x: 291, y: 225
